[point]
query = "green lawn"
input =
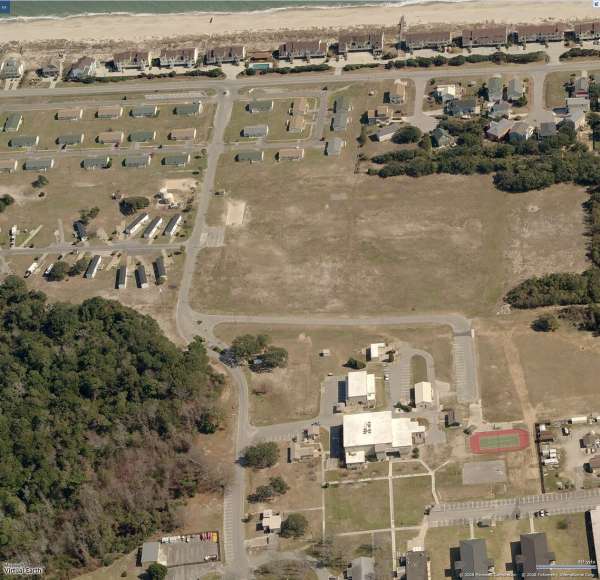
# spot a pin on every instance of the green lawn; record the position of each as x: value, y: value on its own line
x: 411, y: 495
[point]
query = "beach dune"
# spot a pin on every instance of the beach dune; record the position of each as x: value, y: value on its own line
x: 142, y: 27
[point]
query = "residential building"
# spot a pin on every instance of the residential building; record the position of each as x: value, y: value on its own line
x: 436, y: 39
x: 13, y: 123
x: 521, y: 131
x: 250, y: 155
x: 495, y: 88
x: 498, y: 130
x: 515, y: 89
x: 362, y: 568
x: 290, y: 154
x: 340, y: 120
x: 136, y: 224
x: 397, y: 95
x: 24, y: 141
x: 92, y: 268
x: 92, y: 163
x: 446, y: 92
x: 39, y: 164
x: 376, y: 351
x: 49, y: 71
x: 578, y: 103
x: 225, y: 54
x: 140, y: 276
x: 462, y: 107
x: 271, y: 522
x: 8, y: 165
x: 305, y: 49
x: 109, y: 113
x: 581, y: 87
x: 142, y: 136
x: 380, y: 115
x: 342, y: 105
x: 172, y: 225
x: 110, y: 137
x: 386, y: 133
x: 360, y: 388
x: 593, y: 464
x: 334, y: 147
x: 172, y: 57
x: 70, y: 114
x: 176, y: 159
x: 152, y: 228
x: 587, y: 30
x: 378, y: 434
x: 160, y: 271
x: 300, y: 106
x: 296, y: 124
x: 474, y: 563
x: 259, y: 106
x: 552, y: 32
x: 417, y: 565
x: 441, y: 138
x: 298, y: 452
x: 137, y: 162
x: 183, y: 134
x: 594, y: 518
x: 12, y: 68
x: 547, y: 129
x: 256, y: 131
x: 370, y: 41
x: 484, y: 36
x: 534, y: 553
x: 189, y: 109
x: 261, y: 56
x: 423, y: 395
x: 80, y: 231
x: 500, y: 109
x: 578, y: 118
x: 121, y: 277
x: 83, y: 68
x: 590, y: 440
x: 144, y: 111
x: 132, y: 59
x: 74, y: 139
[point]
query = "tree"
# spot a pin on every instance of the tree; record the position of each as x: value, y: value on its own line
x: 425, y: 143
x: 262, y: 494
x: 210, y: 419
x: 354, y: 363
x: 273, y: 357
x: 279, y: 485
x: 87, y: 215
x: 129, y: 205
x: 79, y: 267
x: 261, y: 455
x: 5, y: 201
x: 546, y: 323
x: 156, y: 571
x: 59, y: 271
x: 41, y: 181
x: 294, y: 526
x: 408, y: 134
x: 362, y: 138
x: 248, y: 345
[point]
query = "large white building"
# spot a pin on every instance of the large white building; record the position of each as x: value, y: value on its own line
x: 379, y: 434
x: 360, y: 388
x: 423, y: 394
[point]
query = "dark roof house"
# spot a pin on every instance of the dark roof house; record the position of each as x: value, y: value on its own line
x: 474, y: 562
x: 534, y: 553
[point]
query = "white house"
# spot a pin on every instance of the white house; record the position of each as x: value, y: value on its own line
x: 360, y: 388
x: 376, y: 349
x: 423, y: 394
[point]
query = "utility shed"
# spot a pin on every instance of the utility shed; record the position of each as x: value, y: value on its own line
x: 143, y: 161
x: 24, y: 141
x: 8, y: 165
x: 109, y: 113
x: 250, y: 155
x: 110, y: 137
x: 142, y: 136
x: 188, y: 109
x: 474, y: 562
x: 13, y: 123
x: 122, y: 277
x: 534, y: 553
x: 183, y: 134
x: 70, y: 114
x: 140, y: 276
x: 255, y: 131
x: 39, y: 164
x: 144, y: 111
x: 176, y: 160
x: 75, y: 139
x: 92, y: 268
x: 92, y: 163
x: 260, y: 106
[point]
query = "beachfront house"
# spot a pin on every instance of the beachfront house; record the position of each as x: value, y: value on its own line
x: 83, y: 68
x: 172, y: 57
x: 131, y: 59
x: 435, y: 39
x: 303, y: 49
x: 587, y: 30
x: 484, y: 36
x: 552, y: 32
x: 369, y: 41
x: 218, y: 55
x: 12, y: 68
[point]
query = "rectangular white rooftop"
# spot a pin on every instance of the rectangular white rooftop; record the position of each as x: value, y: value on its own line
x: 360, y: 384
x: 378, y: 428
x: 423, y: 393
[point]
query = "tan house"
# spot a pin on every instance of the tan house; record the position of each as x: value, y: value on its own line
x: 484, y: 36
x: 436, y: 39
x: 110, y: 137
x: 8, y: 165
x: 290, y: 154
x: 552, y: 32
x: 296, y: 124
x: 183, y: 134
x: 132, y: 59
x: 370, y: 41
x: 69, y: 114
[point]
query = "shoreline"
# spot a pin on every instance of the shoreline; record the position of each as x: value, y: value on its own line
x: 138, y: 27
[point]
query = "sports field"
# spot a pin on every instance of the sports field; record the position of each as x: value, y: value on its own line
x: 499, y: 441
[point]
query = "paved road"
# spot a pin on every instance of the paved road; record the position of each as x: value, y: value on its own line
x: 132, y: 246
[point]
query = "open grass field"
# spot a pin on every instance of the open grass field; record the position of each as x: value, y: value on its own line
x: 376, y: 545
x: 44, y: 124
x: 375, y: 469
x: 411, y: 495
x: 346, y: 509
x: 332, y: 241
x: 554, y: 85
x: 294, y: 392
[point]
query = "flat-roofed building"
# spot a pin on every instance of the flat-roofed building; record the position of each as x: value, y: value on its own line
x: 379, y: 434
x: 92, y: 268
x: 260, y: 106
x: 176, y: 160
x: 160, y: 272
x: 39, y: 164
x: 474, y: 562
x: 271, y: 522
x: 305, y: 49
x: 121, y: 277
x: 417, y: 565
x: 8, y: 165
x: 360, y: 388
x: 578, y: 104
x: 24, y: 141
x: 386, y: 133
x: 12, y: 68
x: 75, y: 114
x: 152, y: 227
x: 334, y: 147
x: 369, y: 41
x: 74, y: 139
x: 218, y: 55
x: 109, y: 113
x: 250, y: 155
x: 83, y: 68
x: 296, y: 124
x: 13, y: 123
x: 140, y: 276
x: 132, y: 59
x: 299, y: 106
x: 136, y: 224
x: 142, y: 136
x: 188, y: 134
x: 256, y: 131
x: 171, y: 57
x: 534, y: 553
x: 144, y: 111
x: 188, y: 109
x: 423, y: 395
x: 290, y: 154
x: 436, y: 39
x: 172, y: 225
x: 137, y: 161
x: 339, y: 121
x: 551, y: 32
x: 80, y: 231
x: 91, y: 163
x: 484, y: 36
x: 587, y: 30
x: 110, y: 137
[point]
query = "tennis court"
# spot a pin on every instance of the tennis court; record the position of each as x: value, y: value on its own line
x: 499, y: 441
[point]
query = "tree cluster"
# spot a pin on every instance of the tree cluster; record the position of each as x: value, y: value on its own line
x: 578, y: 52
x: 6, y: 201
x: 129, y: 205
x: 261, y: 455
x: 87, y: 215
x: 276, y: 486
x: 258, y: 353
x: 294, y: 526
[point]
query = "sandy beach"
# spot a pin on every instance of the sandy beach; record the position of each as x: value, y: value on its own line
x: 139, y: 28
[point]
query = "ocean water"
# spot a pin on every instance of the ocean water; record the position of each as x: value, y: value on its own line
x: 62, y: 8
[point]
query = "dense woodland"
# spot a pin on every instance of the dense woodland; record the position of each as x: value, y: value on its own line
x: 98, y: 415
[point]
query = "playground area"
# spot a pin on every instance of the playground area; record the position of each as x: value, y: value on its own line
x: 499, y: 441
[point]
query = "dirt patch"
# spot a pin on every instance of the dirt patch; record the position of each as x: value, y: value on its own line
x: 235, y: 213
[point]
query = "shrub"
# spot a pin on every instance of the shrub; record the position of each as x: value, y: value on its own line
x: 408, y: 134
x: 41, y: 181
x: 156, y: 571
x: 59, y: 271
x: 545, y: 323
x: 356, y: 364
x: 129, y: 205
x: 6, y: 201
x: 279, y: 485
